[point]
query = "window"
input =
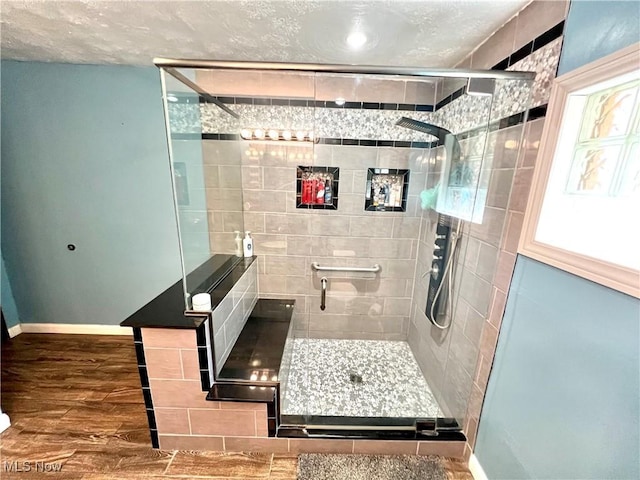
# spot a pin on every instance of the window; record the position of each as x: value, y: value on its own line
x: 584, y: 205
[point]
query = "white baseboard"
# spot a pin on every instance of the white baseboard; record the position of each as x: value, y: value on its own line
x: 476, y: 469
x: 15, y: 331
x: 75, y: 329
x: 4, y: 422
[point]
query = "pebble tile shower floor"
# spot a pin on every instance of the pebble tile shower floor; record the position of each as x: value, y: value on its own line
x: 324, y: 380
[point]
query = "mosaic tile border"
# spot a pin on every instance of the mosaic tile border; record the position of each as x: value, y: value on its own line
x: 506, y: 122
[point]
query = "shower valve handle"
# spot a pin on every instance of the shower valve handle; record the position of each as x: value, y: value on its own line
x: 323, y: 295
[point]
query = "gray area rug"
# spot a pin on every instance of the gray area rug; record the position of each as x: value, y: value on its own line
x: 321, y: 466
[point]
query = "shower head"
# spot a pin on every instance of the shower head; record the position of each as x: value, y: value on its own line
x: 438, y: 132
x: 444, y: 136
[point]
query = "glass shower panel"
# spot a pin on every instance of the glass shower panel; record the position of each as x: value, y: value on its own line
x: 492, y: 150
x: 452, y: 191
x: 276, y: 137
x: 182, y: 110
x: 205, y: 163
x: 222, y: 164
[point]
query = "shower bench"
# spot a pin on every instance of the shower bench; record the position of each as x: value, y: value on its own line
x: 253, y: 369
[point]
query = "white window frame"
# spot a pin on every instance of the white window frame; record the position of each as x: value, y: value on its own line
x: 556, y: 149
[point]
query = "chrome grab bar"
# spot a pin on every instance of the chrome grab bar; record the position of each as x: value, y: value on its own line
x: 323, y: 296
x: 374, y: 269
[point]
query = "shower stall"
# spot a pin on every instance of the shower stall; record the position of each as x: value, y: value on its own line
x: 370, y: 193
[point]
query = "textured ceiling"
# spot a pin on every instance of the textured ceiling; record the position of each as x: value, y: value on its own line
x: 431, y: 33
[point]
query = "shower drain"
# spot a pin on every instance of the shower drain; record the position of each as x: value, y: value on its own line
x: 355, y: 378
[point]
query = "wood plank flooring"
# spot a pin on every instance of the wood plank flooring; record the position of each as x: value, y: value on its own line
x: 75, y: 402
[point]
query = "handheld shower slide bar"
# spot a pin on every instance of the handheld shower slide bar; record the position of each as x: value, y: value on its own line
x: 374, y: 269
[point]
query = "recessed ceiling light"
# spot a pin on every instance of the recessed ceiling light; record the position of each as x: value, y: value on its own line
x: 172, y: 98
x: 356, y: 40
x: 340, y: 101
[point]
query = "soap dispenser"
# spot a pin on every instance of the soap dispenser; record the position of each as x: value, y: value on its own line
x: 239, y: 246
x: 247, y: 244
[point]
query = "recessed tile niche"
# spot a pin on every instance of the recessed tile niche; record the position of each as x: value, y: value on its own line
x: 317, y: 187
x: 386, y: 190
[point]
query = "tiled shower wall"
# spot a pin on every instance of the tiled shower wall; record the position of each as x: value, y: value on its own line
x: 288, y: 240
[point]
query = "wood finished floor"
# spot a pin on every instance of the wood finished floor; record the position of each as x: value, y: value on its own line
x: 75, y: 400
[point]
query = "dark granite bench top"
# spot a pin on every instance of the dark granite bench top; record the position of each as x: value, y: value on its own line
x: 260, y: 346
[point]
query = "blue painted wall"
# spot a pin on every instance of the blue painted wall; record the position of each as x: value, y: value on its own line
x: 563, y: 398
x: 84, y: 161
x: 594, y: 29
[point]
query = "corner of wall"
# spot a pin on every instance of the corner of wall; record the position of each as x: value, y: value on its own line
x: 9, y: 307
x: 476, y: 469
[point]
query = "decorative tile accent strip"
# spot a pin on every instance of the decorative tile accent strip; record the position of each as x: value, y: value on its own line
x: 465, y: 113
x: 203, y: 358
x: 511, y: 97
x: 146, y: 390
x: 374, y: 143
x: 185, y: 118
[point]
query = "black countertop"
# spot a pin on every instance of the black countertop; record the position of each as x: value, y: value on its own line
x: 216, y: 276
x: 259, y: 348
